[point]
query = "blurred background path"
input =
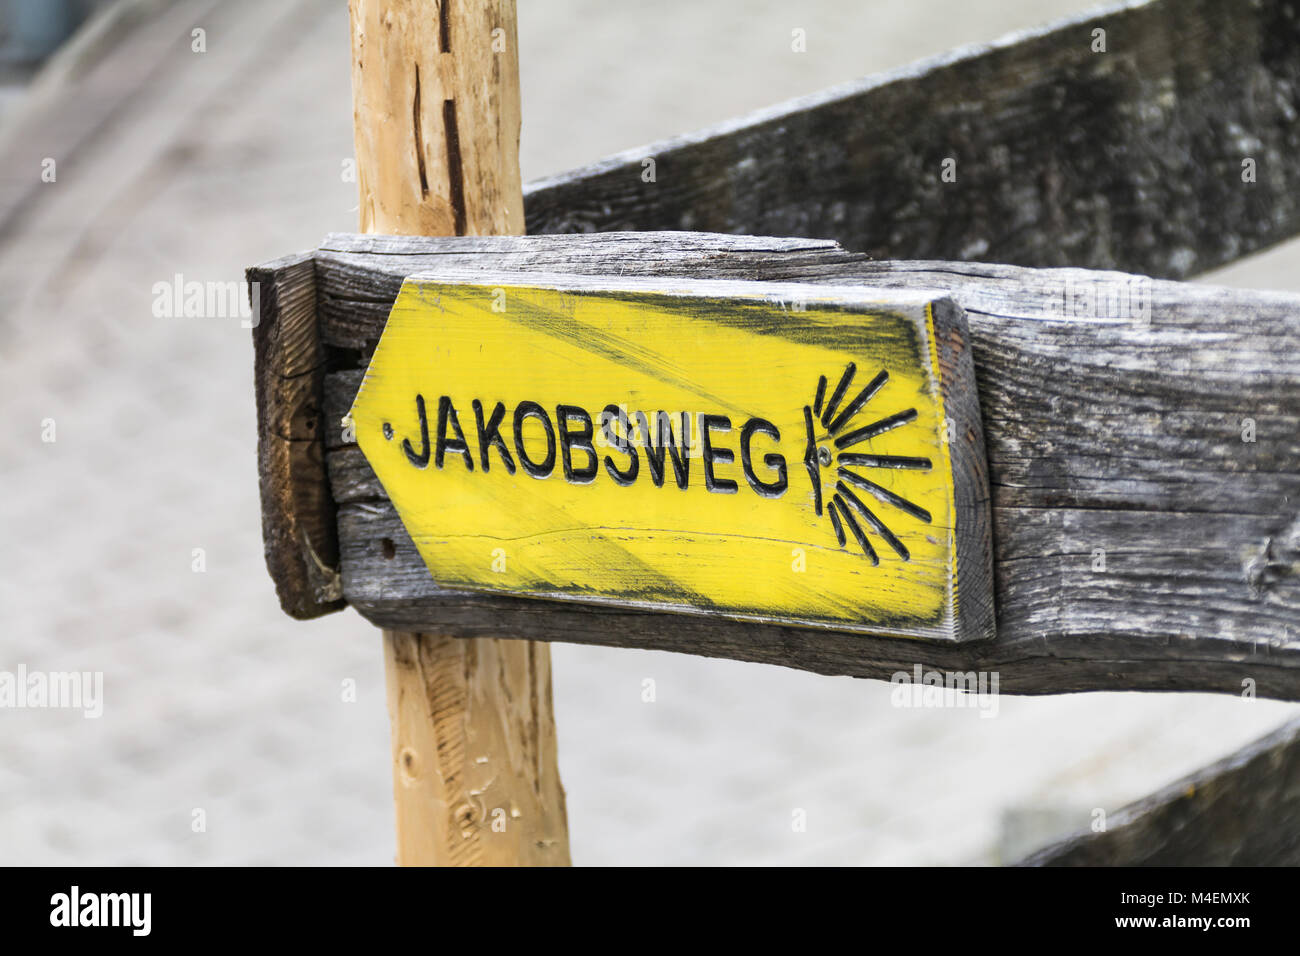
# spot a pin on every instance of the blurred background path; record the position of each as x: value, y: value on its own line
x: 171, y: 161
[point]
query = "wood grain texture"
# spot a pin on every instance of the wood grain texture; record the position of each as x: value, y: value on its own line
x: 973, y: 536
x: 474, y: 751
x: 435, y: 96
x: 1139, y: 541
x: 1127, y: 159
x: 1243, y: 810
x: 803, y: 470
x: 298, y: 520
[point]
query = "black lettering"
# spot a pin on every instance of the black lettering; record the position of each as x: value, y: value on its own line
x: 654, y: 450
x: 773, y: 489
x: 422, y: 459
x: 447, y: 413
x: 490, y: 435
x: 580, y: 440
x: 532, y: 410
x: 723, y: 456
x: 611, y: 414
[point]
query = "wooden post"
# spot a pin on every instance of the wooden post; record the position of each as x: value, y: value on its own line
x: 435, y: 90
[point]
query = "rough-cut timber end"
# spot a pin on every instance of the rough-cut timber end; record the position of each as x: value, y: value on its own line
x: 973, y: 538
x: 298, y: 514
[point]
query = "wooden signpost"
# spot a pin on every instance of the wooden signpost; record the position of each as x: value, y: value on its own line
x: 435, y: 90
x: 707, y: 447
x: 780, y: 450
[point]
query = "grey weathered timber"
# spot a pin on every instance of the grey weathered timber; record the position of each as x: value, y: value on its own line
x: 1243, y: 810
x: 298, y: 525
x: 1140, y: 542
x: 360, y: 275
x: 1126, y: 159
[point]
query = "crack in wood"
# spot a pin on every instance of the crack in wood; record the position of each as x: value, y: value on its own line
x: 455, y: 172
x: 419, y: 137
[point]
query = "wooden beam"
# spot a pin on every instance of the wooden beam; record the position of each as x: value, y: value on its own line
x: 1141, y: 540
x: 1134, y: 158
x: 1243, y: 810
x: 298, y: 514
x: 436, y: 104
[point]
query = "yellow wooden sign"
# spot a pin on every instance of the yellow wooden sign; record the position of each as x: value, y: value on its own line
x: 764, y: 451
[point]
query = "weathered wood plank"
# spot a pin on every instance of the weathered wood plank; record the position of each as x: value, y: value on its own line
x: 1243, y: 810
x: 1054, y: 636
x: 1140, y: 541
x: 1130, y: 158
x: 359, y: 276
x: 298, y: 521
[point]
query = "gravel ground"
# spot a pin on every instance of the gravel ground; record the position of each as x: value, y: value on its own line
x: 213, y: 700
